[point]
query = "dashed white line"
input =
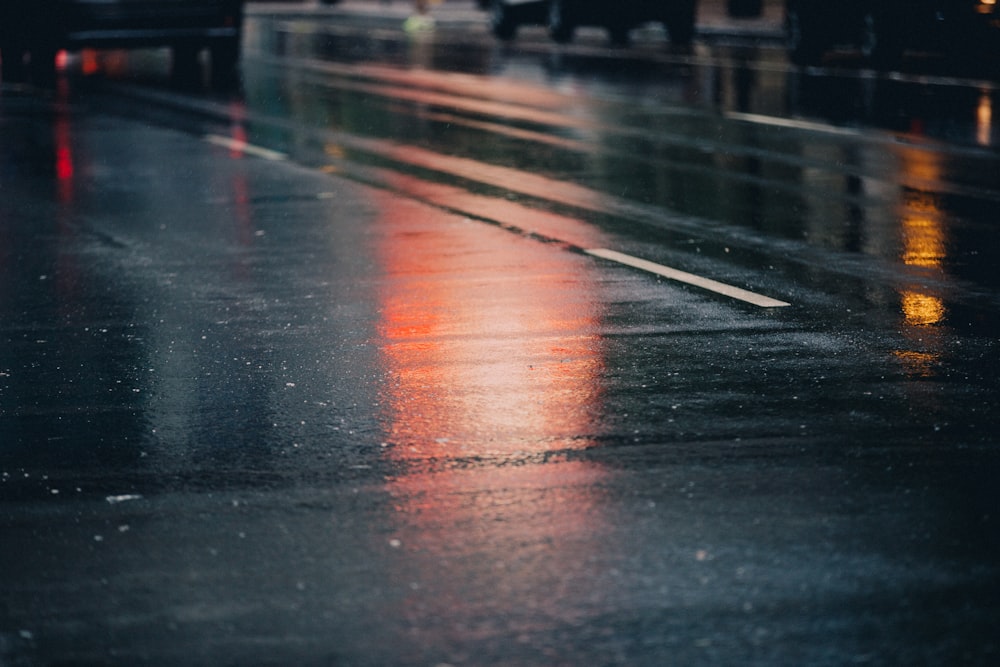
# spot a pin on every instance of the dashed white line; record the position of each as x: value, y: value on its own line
x: 612, y: 255
x: 688, y: 278
x: 792, y: 124
x: 244, y: 147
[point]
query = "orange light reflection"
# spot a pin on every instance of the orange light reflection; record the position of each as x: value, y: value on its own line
x: 984, y: 119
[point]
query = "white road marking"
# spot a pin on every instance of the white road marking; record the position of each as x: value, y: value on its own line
x: 792, y: 123
x: 244, y: 147
x: 688, y: 278
x: 612, y: 255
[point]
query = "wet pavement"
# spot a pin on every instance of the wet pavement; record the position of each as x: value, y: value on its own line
x: 316, y: 399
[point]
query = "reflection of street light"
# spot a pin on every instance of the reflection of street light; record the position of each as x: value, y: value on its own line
x: 923, y: 238
x: 922, y: 309
x: 923, y: 246
x: 923, y: 242
x: 493, y: 370
x: 984, y: 119
x: 481, y: 371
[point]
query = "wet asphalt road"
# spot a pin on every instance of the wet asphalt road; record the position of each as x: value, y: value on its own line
x: 322, y: 372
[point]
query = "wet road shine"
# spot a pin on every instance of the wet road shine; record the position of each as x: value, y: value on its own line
x: 323, y: 372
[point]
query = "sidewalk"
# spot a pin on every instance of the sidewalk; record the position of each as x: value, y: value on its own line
x: 713, y: 19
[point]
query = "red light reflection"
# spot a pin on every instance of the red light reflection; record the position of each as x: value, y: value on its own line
x: 481, y: 365
x: 64, y: 168
x: 63, y: 151
x: 234, y: 184
x: 493, y: 368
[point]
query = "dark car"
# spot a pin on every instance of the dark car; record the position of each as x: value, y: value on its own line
x: 31, y: 31
x: 619, y: 17
x: 884, y: 29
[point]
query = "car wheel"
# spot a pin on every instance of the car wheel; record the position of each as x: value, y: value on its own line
x: 744, y: 8
x: 502, y: 20
x: 679, y: 22
x: 619, y: 34
x: 881, y: 45
x: 184, y: 67
x: 225, y: 58
x: 12, y: 65
x: 561, y: 27
x: 804, y: 43
x: 43, y: 66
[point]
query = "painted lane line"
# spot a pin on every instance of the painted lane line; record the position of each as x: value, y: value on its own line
x: 792, y: 124
x: 688, y: 278
x: 243, y: 147
x: 612, y: 255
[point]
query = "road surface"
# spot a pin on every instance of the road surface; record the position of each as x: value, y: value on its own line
x: 424, y: 350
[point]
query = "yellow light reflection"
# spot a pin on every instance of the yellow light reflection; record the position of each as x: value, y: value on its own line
x: 334, y: 150
x: 923, y: 237
x: 924, y: 244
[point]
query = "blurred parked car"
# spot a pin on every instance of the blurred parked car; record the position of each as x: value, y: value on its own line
x: 744, y: 8
x: 506, y: 16
x: 884, y: 29
x: 619, y: 17
x: 31, y: 31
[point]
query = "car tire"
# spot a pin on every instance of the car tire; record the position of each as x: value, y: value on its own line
x: 184, y: 67
x: 680, y: 24
x: 881, y: 45
x: 12, y: 67
x: 561, y: 25
x: 804, y: 41
x: 225, y: 61
x: 744, y: 9
x: 503, y: 23
x: 43, y: 65
x: 619, y: 34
